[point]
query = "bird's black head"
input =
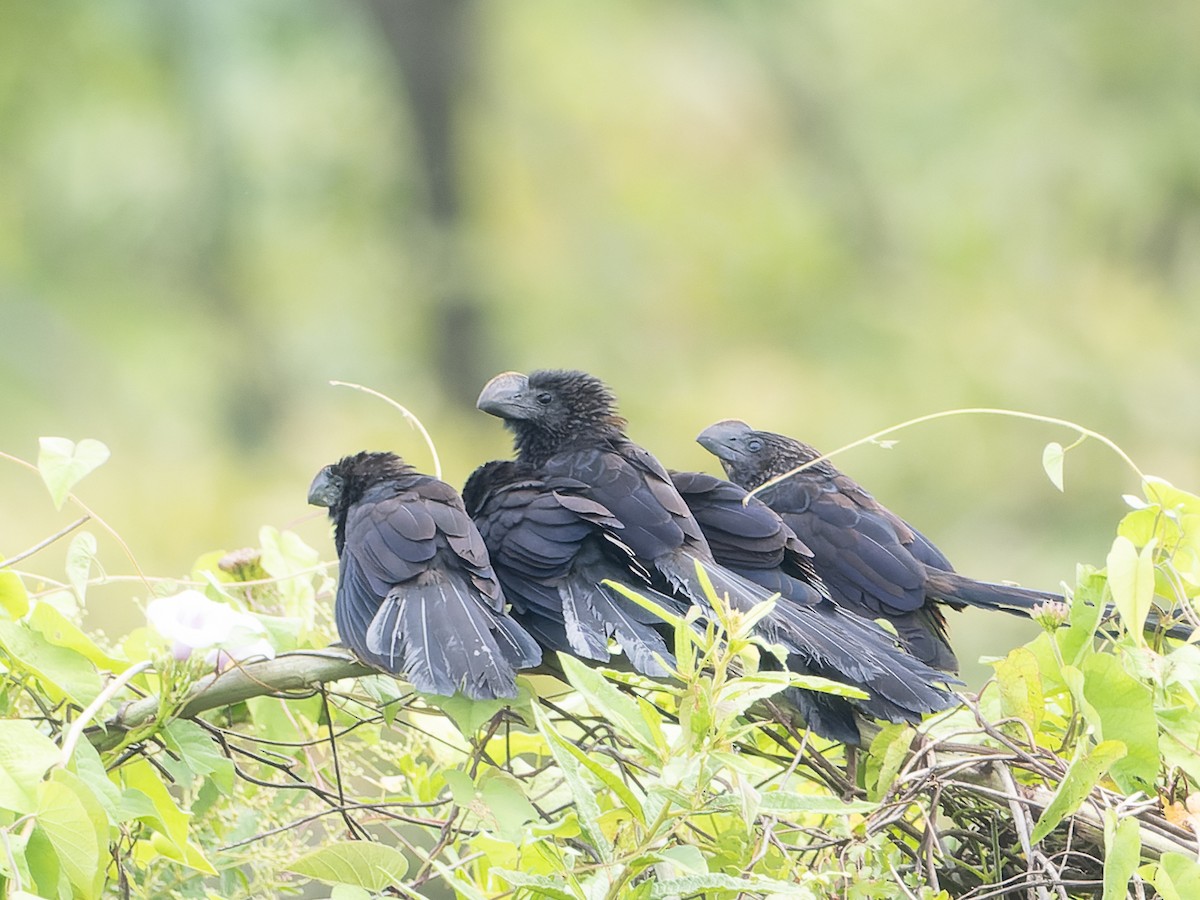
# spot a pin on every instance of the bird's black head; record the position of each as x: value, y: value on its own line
x: 488, y: 478
x: 751, y: 457
x: 340, y: 485
x: 550, y: 409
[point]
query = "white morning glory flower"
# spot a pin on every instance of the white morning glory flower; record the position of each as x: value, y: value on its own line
x: 195, y: 624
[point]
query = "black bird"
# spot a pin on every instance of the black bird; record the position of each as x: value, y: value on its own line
x: 417, y: 596
x: 874, y: 563
x: 749, y: 538
x: 553, y: 549
x: 565, y: 425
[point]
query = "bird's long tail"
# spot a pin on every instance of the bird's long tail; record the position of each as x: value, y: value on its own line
x: 443, y: 639
x: 1021, y: 601
x: 824, y: 640
x: 593, y: 611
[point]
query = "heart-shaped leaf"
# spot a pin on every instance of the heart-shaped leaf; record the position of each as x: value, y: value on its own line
x: 63, y: 463
x: 1052, y: 462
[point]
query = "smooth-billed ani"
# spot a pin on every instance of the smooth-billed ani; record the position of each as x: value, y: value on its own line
x: 873, y: 562
x: 565, y: 425
x: 553, y: 549
x: 417, y: 596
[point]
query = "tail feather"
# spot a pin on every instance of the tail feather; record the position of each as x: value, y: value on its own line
x: 827, y: 641
x: 442, y: 639
x: 593, y: 613
x: 952, y: 587
x: 1020, y: 601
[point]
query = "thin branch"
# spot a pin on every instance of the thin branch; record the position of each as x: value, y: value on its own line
x: 985, y: 411
x: 286, y: 673
x: 110, y: 691
x: 42, y: 545
x: 437, y: 463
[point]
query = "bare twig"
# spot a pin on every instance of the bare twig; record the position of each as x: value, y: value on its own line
x: 42, y: 545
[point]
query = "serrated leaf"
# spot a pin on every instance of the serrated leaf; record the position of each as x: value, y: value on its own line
x: 543, y: 885
x: 1052, y: 462
x: 1131, y: 581
x: 585, y: 800
x: 364, y: 864
x: 785, y: 803
x: 25, y: 755
x: 695, y: 884
x: 1082, y: 775
x: 62, y: 463
x: 620, y: 710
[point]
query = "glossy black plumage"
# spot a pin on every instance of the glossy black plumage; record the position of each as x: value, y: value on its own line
x: 553, y: 549
x: 873, y: 562
x: 565, y: 426
x: 417, y: 596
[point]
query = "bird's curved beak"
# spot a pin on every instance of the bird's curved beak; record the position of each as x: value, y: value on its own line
x: 507, y: 396
x: 324, y: 490
x: 724, y: 439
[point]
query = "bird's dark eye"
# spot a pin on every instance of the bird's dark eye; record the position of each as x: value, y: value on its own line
x: 544, y: 398
x: 754, y: 445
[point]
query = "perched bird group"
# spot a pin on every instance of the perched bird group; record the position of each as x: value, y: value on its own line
x: 458, y: 593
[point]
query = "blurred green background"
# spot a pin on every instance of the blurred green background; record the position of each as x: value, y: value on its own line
x: 822, y: 217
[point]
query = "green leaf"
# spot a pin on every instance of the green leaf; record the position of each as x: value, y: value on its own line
x: 694, y: 884
x: 143, y: 777
x: 1178, y: 877
x: 43, y: 865
x: 133, y: 804
x: 90, y: 769
x: 63, y: 463
x: 199, y: 752
x: 364, y: 864
x: 543, y: 885
x: 1123, y: 710
x: 887, y: 754
x: 1020, y: 682
x: 25, y: 755
x: 62, y: 632
x: 1052, y: 462
x: 1122, y: 853
x: 80, y: 554
x: 1078, y: 639
x: 471, y: 715
x: 61, y: 671
x: 620, y: 710
x: 286, y: 557
x: 505, y: 798
x: 585, y: 799
x: 688, y: 857
x: 778, y: 803
x: 1082, y: 775
x: 349, y: 892
x: 80, y: 841
x: 14, y: 599
x: 1131, y: 580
